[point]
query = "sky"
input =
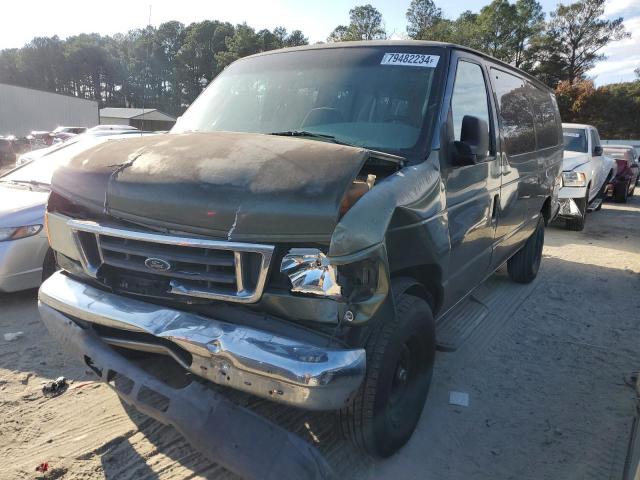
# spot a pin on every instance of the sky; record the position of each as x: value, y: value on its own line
x: 21, y: 21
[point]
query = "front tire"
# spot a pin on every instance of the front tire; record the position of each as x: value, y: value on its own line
x: 621, y: 193
x: 400, y: 356
x: 524, y: 265
x: 49, y: 266
x: 577, y: 224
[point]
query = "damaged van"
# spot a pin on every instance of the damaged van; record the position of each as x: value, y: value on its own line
x: 298, y: 235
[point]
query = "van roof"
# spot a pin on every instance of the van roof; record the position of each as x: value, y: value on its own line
x: 402, y: 43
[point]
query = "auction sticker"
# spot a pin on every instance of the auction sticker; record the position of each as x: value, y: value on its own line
x: 571, y: 134
x: 410, y: 60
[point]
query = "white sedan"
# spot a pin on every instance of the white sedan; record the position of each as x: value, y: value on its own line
x: 25, y: 256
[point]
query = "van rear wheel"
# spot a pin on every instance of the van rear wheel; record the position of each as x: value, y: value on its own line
x: 400, y: 356
x: 524, y: 265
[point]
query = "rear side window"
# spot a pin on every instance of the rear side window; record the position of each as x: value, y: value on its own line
x: 516, y: 113
x: 544, y: 115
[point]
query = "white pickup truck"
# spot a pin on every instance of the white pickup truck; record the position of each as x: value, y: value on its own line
x: 586, y: 171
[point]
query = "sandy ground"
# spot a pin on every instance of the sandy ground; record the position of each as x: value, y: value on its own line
x: 547, y: 373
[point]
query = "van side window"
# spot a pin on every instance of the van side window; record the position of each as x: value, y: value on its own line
x: 469, y: 96
x: 544, y: 112
x: 515, y: 111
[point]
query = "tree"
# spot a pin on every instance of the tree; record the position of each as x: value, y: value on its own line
x: 578, y: 33
x: 365, y: 23
x: 529, y: 22
x: 496, y: 25
x: 340, y: 34
x: 637, y: 72
x: 422, y: 16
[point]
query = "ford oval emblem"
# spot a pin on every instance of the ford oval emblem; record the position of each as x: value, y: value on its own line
x: 157, y: 264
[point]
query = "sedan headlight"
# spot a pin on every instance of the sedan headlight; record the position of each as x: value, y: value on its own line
x: 574, y: 179
x: 14, y: 233
x: 310, y: 272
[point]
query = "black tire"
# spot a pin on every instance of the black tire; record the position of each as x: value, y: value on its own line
x: 400, y: 355
x: 49, y: 265
x: 621, y: 193
x: 577, y: 224
x: 524, y: 265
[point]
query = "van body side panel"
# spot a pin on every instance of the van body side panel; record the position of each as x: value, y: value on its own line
x: 471, y: 190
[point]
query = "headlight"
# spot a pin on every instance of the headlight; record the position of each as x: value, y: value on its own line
x: 310, y: 272
x: 574, y: 179
x: 14, y: 233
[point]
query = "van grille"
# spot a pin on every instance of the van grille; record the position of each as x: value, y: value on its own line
x: 178, y: 265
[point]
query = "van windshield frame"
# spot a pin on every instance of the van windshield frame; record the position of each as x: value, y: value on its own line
x: 348, y: 93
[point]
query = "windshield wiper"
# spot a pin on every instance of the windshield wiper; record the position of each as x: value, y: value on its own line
x: 305, y: 133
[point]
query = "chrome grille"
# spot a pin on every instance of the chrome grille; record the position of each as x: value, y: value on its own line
x: 194, y: 267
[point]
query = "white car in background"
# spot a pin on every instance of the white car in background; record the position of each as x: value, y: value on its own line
x: 25, y: 256
x: 99, y: 131
x: 586, y: 172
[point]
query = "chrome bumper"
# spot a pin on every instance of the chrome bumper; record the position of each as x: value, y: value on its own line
x: 231, y: 435
x: 255, y: 361
x: 569, y: 209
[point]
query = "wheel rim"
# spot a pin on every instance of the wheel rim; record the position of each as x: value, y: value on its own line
x: 406, y: 376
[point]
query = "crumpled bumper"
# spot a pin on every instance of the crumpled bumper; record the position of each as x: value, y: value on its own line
x: 569, y: 209
x: 259, y: 362
x: 228, y: 434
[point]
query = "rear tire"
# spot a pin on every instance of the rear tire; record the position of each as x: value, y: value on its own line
x: 524, y: 265
x: 621, y: 193
x: 400, y: 355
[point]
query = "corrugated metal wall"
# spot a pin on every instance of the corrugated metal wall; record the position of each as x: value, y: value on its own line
x: 23, y: 110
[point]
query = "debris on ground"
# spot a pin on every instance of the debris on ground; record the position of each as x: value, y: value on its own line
x: 459, y: 398
x: 55, y: 388
x: 10, y: 337
x: 42, y: 468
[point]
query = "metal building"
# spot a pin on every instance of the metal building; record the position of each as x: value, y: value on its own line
x: 144, y: 119
x: 23, y: 110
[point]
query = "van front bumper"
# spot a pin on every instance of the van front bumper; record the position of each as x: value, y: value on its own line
x: 228, y: 434
x: 259, y: 362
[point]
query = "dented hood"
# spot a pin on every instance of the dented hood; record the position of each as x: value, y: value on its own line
x: 232, y: 185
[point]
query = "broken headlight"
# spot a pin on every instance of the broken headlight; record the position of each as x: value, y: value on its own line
x: 309, y: 272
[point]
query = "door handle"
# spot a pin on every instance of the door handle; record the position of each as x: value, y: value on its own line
x: 494, y: 208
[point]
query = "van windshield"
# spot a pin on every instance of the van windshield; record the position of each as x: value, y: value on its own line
x: 575, y: 140
x: 374, y: 97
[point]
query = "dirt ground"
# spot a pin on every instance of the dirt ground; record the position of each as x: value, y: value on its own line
x: 548, y: 373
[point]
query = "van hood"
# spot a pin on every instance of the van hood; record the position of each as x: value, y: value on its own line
x: 238, y: 186
x: 573, y: 160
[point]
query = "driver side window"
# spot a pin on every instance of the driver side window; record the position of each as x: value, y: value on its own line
x: 469, y: 96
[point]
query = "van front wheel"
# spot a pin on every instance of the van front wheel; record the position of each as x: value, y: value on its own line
x: 524, y: 265
x: 400, y: 355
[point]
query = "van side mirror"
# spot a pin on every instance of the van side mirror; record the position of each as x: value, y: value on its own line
x: 474, y: 141
x: 597, y: 150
